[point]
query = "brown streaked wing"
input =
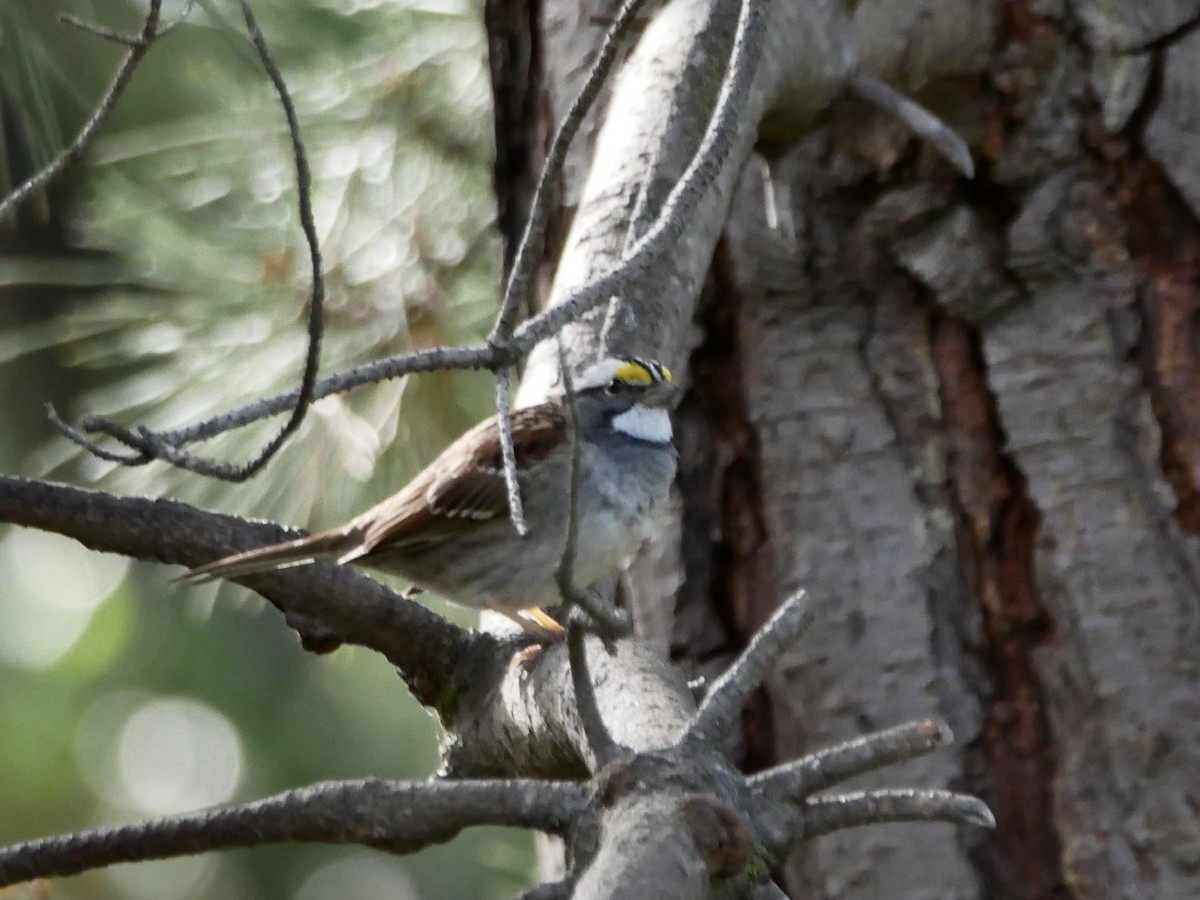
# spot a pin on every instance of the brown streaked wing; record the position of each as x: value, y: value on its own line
x: 465, y: 483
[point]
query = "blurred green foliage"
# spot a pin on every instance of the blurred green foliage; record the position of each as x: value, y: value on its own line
x: 166, y: 280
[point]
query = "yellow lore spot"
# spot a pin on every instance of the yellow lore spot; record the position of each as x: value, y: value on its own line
x: 635, y: 371
x: 632, y: 373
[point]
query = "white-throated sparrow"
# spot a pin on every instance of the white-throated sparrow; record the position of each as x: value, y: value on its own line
x: 448, y: 530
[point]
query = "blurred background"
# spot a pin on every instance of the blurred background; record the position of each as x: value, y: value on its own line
x: 164, y: 280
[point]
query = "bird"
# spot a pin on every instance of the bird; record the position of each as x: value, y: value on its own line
x: 448, y: 530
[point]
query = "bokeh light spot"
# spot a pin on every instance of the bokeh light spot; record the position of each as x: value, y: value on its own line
x: 358, y: 874
x: 55, y: 586
x: 176, y: 754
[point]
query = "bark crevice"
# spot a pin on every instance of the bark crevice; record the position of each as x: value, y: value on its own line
x: 1164, y: 244
x: 724, y: 519
x: 998, y: 525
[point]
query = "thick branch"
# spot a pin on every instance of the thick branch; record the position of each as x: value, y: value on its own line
x: 645, y: 851
x: 525, y: 718
x: 328, y: 605
x: 396, y: 816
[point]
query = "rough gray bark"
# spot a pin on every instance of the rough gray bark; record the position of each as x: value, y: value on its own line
x: 963, y: 415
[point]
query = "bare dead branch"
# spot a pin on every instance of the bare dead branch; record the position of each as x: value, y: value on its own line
x: 924, y: 124
x: 817, y: 771
x: 74, y: 434
x: 75, y: 150
x: 821, y: 815
x: 396, y: 816
x: 526, y: 720
x: 780, y: 826
x: 726, y: 698
x: 42, y: 507
x: 516, y: 292
x: 328, y: 605
x: 478, y: 356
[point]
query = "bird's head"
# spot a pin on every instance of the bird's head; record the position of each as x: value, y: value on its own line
x: 635, y: 393
x: 644, y: 381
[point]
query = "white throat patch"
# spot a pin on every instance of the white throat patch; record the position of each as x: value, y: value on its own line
x: 644, y: 424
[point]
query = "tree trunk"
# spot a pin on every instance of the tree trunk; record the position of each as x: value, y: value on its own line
x: 963, y: 414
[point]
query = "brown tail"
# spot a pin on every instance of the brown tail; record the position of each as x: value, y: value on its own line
x: 328, y: 545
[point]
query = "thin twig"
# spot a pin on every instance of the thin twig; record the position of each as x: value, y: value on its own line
x: 312, y: 357
x: 822, y: 815
x: 728, y: 695
x: 816, y: 771
x: 390, y: 815
x: 478, y: 356
x: 565, y: 573
x: 600, y: 741
x: 165, y: 445
x: 516, y: 510
x: 75, y: 150
x: 925, y: 124
x: 74, y: 434
x: 101, y: 31
x: 516, y: 292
